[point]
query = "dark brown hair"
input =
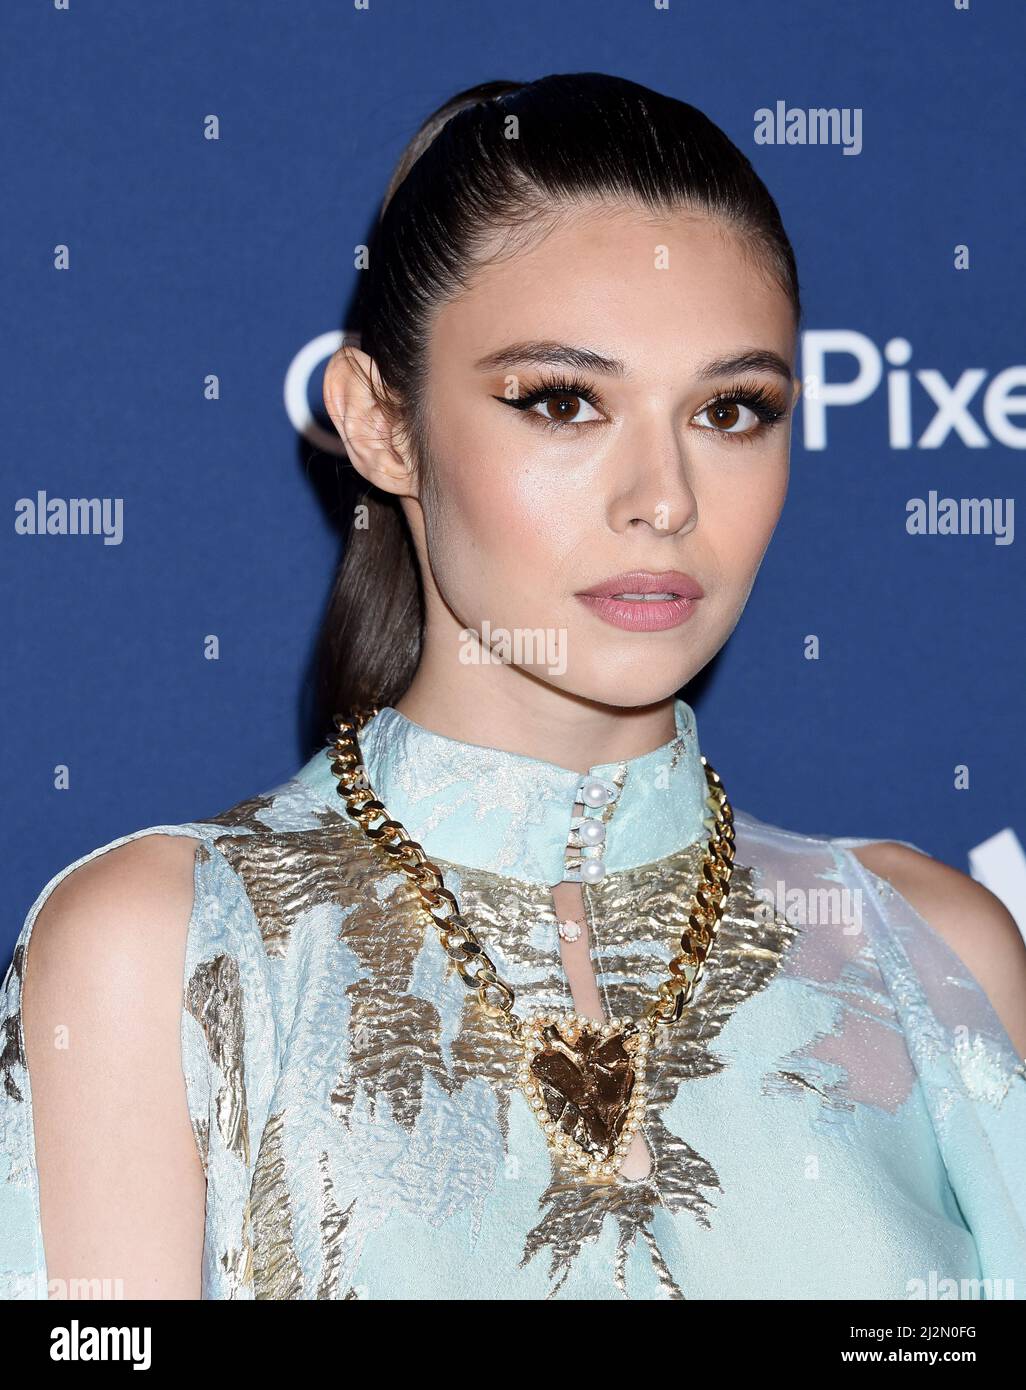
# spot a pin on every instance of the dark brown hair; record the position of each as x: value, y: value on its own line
x: 468, y: 173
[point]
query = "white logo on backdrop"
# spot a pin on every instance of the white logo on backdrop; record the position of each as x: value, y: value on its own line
x: 1000, y: 865
x: 297, y: 389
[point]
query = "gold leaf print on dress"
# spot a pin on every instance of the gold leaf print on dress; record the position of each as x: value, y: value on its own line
x: 395, y: 1035
x: 516, y: 923
x: 245, y: 815
x: 395, y: 1043
x: 201, y: 1131
x: 395, y: 1038
x: 502, y: 912
x: 277, y: 1272
x: 635, y: 918
x: 238, y: 1263
x: 334, y: 1222
x: 286, y: 873
x: 576, y: 1211
x: 12, y: 1055
x: 214, y: 998
x: 480, y: 1049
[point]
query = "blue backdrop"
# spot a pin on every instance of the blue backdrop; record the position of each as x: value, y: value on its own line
x: 143, y: 258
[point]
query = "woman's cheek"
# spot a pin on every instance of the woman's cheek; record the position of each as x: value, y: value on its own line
x: 515, y: 514
x: 740, y: 512
x: 476, y: 546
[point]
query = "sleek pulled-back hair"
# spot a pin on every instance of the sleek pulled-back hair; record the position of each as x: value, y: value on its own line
x: 468, y: 188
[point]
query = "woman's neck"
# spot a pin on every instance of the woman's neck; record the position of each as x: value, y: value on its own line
x: 500, y: 706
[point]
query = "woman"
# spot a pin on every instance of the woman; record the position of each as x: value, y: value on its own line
x: 601, y: 1035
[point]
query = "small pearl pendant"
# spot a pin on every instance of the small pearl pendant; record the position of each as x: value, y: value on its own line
x: 570, y: 931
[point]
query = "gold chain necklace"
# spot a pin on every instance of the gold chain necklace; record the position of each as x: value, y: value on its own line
x: 584, y: 1080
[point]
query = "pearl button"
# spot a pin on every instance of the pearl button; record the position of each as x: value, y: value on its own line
x: 592, y: 870
x: 592, y: 832
x: 595, y: 793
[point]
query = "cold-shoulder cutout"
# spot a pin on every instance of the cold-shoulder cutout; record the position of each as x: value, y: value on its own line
x: 972, y: 920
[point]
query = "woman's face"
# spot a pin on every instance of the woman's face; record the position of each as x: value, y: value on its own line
x: 620, y: 468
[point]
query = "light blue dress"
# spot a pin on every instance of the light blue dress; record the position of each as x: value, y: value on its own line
x: 839, y: 1114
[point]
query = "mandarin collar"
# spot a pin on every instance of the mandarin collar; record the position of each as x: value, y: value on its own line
x: 486, y: 808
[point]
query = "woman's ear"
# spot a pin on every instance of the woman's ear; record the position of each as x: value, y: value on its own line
x: 352, y: 391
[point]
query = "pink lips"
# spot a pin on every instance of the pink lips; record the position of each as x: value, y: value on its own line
x: 644, y: 615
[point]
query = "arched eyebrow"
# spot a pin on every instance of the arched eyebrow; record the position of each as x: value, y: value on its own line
x: 583, y: 359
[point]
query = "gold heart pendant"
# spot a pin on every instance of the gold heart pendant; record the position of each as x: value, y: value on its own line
x: 586, y: 1083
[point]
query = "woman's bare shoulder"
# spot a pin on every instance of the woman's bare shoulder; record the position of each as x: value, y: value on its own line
x: 972, y: 920
x: 138, y: 872
x: 117, y: 921
x: 121, y: 1180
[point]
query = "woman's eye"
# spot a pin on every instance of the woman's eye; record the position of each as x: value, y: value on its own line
x: 564, y: 408
x: 729, y: 417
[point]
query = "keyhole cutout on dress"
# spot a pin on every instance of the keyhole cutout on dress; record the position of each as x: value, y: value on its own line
x: 568, y: 900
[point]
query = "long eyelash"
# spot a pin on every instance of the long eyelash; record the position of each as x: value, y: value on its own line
x: 556, y: 386
x: 763, y: 402
x: 760, y: 399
